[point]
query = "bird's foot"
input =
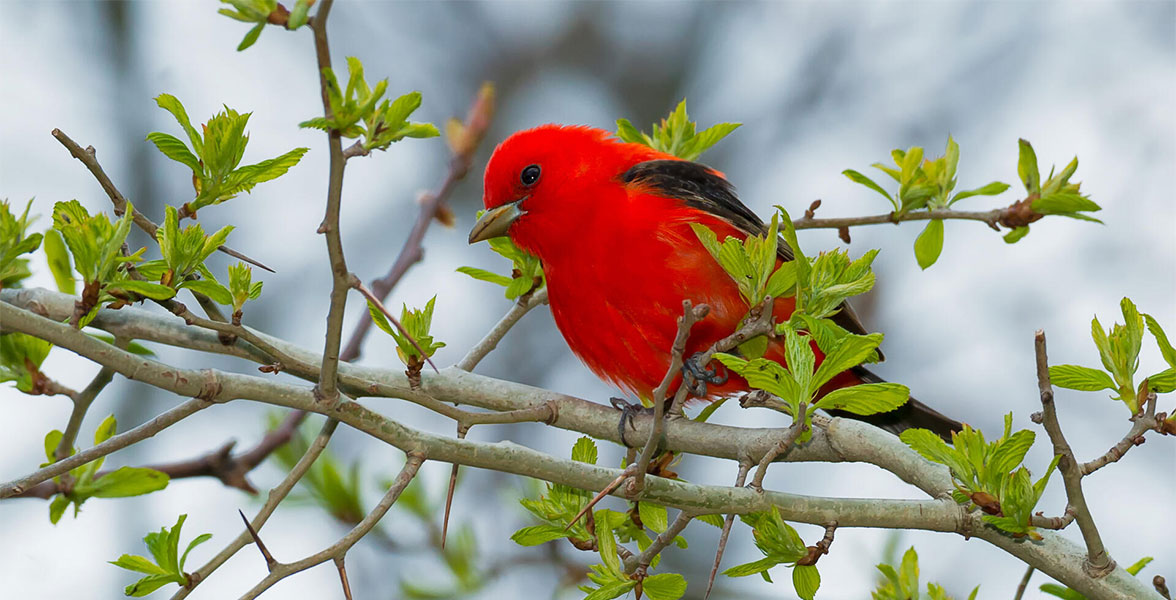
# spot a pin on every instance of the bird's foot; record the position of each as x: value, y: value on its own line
x: 696, y: 375
x: 628, y: 411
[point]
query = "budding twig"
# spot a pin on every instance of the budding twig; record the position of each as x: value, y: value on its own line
x: 1098, y: 563
x: 744, y: 467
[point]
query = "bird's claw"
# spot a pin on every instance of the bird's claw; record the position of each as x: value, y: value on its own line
x: 696, y: 375
x: 628, y: 411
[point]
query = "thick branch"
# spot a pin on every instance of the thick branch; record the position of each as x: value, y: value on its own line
x: 844, y: 440
x: 1098, y: 563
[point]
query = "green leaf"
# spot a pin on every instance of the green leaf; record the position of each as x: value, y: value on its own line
x: 866, y: 399
x: 484, y: 275
x: 172, y: 105
x: 929, y: 244
x: 857, y: 177
x: 1163, y: 382
x: 105, y: 430
x: 806, y: 580
x: 1027, y: 167
x: 991, y: 189
x: 613, y: 589
x: 176, y: 150
x: 138, y: 564
x: 298, y: 16
x: 1166, y: 349
x: 1084, y: 379
x: 149, y: 584
x: 606, y: 544
x: 664, y: 586
x: 146, y: 289
x: 1009, y: 453
x: 57, y: 508
x: 709, y: 410
x: 653, y: 516
x: 751, y: 568
x: 213, y: 289
x: 250, y: 37
x: 584, y: 450
x: 200, y: 539
x: 1138, y: 565
x: 538, y: 534
x: 1016, y: 234
x: 711, y: 519
x: 59, y: 263
x: 848, y: 352
x: 128, y: 481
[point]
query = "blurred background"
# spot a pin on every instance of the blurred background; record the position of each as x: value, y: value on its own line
x: 819, y: 87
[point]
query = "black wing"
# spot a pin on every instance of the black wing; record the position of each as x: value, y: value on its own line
x: 701, y: 187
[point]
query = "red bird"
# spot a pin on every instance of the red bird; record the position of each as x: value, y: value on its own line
x: 610, y: 222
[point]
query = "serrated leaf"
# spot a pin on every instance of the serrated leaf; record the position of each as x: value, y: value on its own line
x: 214, y: 290
x: 806, y: 580
x: 538, y: 534
x: 751, y: 568
x: 146, y: 289
x: 653, y: 516
x: 664, y: 586
x: 990, y: 189
x: 1075, y: 377
x: 174, y: 149
x: 866, y: 399
x: 484, y: 275
x: 584, y: 450
x: 59, y: 262
x: 1027, y: 167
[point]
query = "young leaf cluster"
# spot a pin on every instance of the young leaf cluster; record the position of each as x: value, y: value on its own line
x: 184, y: 252
x: 676, y: 134
x: 989, y: 475
x: 259, y: 12
x: 215, y: 156
x: 903, y: 583
x: 416, y: 323
x: 96, y: 246
x: 1056, y: 196
x: 168, y: 564
x: 1066, y: 593
x: 1119, y: 349
x: 14, y: 243
x: 21, y: 356
x: 799, y: 381
x: 242, y: 287
x: 555, y: 511
x: 85, y: 482
x: 924, y: 184
x: 526, y: 274
x: 780, y: 544
x: 354, y: 111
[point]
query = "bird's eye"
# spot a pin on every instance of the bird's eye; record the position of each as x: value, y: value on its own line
x: 530, y: 174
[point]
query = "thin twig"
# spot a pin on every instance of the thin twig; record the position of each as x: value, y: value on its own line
x: 759, y: 322
x: 340, y: 548
x: 799, y: 426
x: 341, y: 566
x: 991, y: 217
x: 432, y: 204
x: 371, y: 297
x: 690, y: 316
x: 327, y: 389
x: 1141, y: 424
x: 821, y: 548
x: 490, y: 342
x: 1021, y: 587
x: 81, y: 404
x: 1098, y: 563
x: 641, y: 562
x: 740, y: 478
x: 221, y: 463
x: 89, y: 158
x: 276, y: 496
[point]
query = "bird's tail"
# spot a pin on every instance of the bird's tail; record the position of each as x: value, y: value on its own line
x: 913, y: 414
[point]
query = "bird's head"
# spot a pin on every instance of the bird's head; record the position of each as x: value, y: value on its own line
x: 540, y: 181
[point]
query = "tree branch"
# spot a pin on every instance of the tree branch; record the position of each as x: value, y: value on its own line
x: 89, y: 157
x: 841, y: 440
x: 327, y: 389
x: 490, y: 342
x: 432, y: 205
x: 1098, y: 563
x: 339, y: 549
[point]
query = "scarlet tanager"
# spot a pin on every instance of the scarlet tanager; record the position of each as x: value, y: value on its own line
x: 610, y: 222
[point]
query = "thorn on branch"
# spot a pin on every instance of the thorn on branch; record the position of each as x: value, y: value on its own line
x: 270, y: 563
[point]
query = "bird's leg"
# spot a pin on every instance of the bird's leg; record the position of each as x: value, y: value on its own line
x: 628, y: 411
x: 695, y: 375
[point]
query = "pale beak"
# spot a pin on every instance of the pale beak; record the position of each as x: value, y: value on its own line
x: 496, y: 221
